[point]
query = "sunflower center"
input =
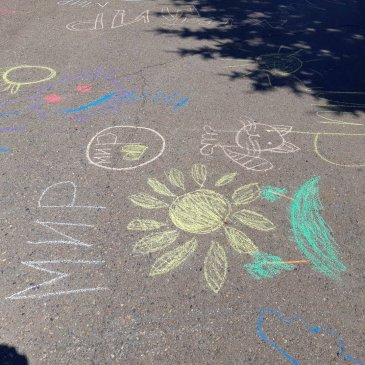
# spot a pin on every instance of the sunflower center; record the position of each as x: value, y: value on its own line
x: 201, y: 211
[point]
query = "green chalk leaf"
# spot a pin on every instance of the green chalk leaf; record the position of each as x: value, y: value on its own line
x: 144, y: 225
x: 226, y: 179
x: 147, y: 201
x: 254, y: 220
x: 215, y: 267
x: 133, y: 152
x: 239, y: 241
x: 199, y: 174
x: 311, y: 232
x: 155, y: 242
x: 176, y: 178
x: 246, y: 194
x: 272, y: 194
x: 172, y: 259
x: 159, y: 188
x: 267, y: 266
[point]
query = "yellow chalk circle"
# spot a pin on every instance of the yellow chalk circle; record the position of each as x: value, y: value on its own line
x: 14, y: 86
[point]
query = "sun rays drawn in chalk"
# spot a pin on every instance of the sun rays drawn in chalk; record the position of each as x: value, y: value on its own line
x: 206, y: 211
x: 199, y: 212
x: 276, y: 65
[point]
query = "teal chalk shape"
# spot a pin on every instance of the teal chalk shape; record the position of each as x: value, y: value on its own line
x: 272, y: 194
x: 312, y: 234
x: 267, y: 266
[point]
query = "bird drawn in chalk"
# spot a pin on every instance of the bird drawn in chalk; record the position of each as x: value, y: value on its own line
x: 279, y: 65
x: 248, y: 146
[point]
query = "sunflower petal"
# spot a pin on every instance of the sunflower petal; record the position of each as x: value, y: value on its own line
x: 144, y: 225
x: 246, y: 194
x: 159, y: 188
x: 215, y: 267
x: 226, y: 179
x: 199, y: 174
x: 147, y: 201
x: 176, y: 178
x: 155, y: 242
x: 239, y: 241
x: 254, y: 220
x: 172, y: 259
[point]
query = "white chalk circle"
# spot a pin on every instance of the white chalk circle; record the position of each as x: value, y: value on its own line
x: 122, y: 148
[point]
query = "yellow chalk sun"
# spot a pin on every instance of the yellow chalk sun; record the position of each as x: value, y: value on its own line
x: 199, y: 212
x: 13, y: 85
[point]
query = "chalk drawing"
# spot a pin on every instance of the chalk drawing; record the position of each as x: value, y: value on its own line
x: 118, y: 20
x: 277, y: 65
x: 267, y: 266
x: 59, y: 195
x: 83, y: 4
x: 90, y: 105
x: 53, y: 98
x: 14, y: 86
x: 320, y: 136
x: 338, y: 102
x: 133, y: 152
x: 83, y: 88
x: 70, y: 240
x: 7, y: 11
x: 28, y: 293
x: 98, y: 23
x: 199, y: 212
x: 80, y: 26
x: 86, y: 90
x: 248, y: 145
x: 5, y: 149
x: 312, y: 234
x: 12, y: 129
x: 265, y: 313
x: 56, y: 193
x: 123, y: 148
x: 183, y: 16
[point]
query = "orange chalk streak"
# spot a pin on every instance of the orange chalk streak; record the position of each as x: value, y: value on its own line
x: 290, y: 262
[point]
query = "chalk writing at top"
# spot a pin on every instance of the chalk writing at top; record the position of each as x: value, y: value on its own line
x: 121, y: 18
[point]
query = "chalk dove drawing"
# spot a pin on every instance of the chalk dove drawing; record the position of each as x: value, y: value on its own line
x: 248, y: 145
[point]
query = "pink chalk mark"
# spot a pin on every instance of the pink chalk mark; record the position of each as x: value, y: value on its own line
x: 53, y: 98
x: 6, y: 11
x: 83, y: 88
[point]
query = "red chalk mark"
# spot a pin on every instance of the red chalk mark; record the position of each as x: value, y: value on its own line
x: 53, y: 98
x: 83, y: 88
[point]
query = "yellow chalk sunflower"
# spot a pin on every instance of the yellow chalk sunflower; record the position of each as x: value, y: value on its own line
x: 199, y: 212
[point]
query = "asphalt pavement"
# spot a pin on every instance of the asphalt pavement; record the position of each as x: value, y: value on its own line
x: 182, y: 182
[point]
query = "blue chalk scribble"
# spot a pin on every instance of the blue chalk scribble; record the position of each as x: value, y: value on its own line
x: 90, y: 105
x: 310, y: 329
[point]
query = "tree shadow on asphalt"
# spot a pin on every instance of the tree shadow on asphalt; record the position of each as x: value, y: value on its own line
x: 10, y: 356
x: 315, y: 46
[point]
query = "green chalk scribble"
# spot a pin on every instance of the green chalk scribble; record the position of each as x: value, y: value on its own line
x: 267, y: 266
x: 272, y: 193
x: 312, y: 234
x: 133, y: 152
